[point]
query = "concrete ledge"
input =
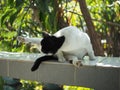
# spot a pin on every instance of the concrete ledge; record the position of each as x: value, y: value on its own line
x: 100, y: 74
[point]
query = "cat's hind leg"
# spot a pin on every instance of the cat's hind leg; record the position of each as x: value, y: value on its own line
x: 32, y: 41
x: 90, y: 52
x: 21, y: 39
x: 29, y: 40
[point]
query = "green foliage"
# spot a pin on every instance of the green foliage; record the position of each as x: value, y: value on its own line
x: 106, y: 15
x: 48, y: 14
x: 16, y: 19
x: 10, y: 11
x: 30, y: 85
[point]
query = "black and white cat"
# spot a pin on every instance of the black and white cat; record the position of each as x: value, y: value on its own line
x: 68, y: 43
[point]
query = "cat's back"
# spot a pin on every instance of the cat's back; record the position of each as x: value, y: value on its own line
x: 74, y: 37
x: 67, y: 31
x: 72, y: 32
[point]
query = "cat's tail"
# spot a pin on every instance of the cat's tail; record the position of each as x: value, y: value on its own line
x: 41, y: 59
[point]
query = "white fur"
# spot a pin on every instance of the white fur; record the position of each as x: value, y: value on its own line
x: 76, y: 45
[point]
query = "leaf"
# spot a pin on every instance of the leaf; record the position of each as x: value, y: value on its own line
x: 47, y: 25
x: 11, y: 2
x: 19, y: 3
x: 13, y: 17
x: 7, y: 13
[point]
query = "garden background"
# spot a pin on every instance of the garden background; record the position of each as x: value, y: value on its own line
x: 29, y: 18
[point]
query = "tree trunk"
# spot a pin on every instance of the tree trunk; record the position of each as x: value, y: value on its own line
x: 95, y: 40
x: 61, y: 23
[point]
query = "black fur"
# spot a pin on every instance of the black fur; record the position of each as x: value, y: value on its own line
x: 40, y: 60
x: 51, y: 44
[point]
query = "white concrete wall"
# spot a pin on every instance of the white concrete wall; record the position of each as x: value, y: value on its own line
x: 93, y: 76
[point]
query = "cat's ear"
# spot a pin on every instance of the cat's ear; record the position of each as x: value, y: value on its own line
x: 45, y: 34
x: 60, y: 41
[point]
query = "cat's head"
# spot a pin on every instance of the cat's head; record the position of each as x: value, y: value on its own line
x: 51, y: 44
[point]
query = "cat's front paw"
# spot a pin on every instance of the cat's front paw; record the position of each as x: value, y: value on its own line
x: 21, y: 39
x: 61, y: 59
x: 77, y: 63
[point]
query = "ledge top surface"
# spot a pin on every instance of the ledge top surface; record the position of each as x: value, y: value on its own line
x: 99, y: 61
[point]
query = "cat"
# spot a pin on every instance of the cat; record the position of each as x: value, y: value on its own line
x: 68, y: 43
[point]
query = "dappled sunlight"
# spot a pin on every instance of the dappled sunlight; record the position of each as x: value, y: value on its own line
x: 75, y: 88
